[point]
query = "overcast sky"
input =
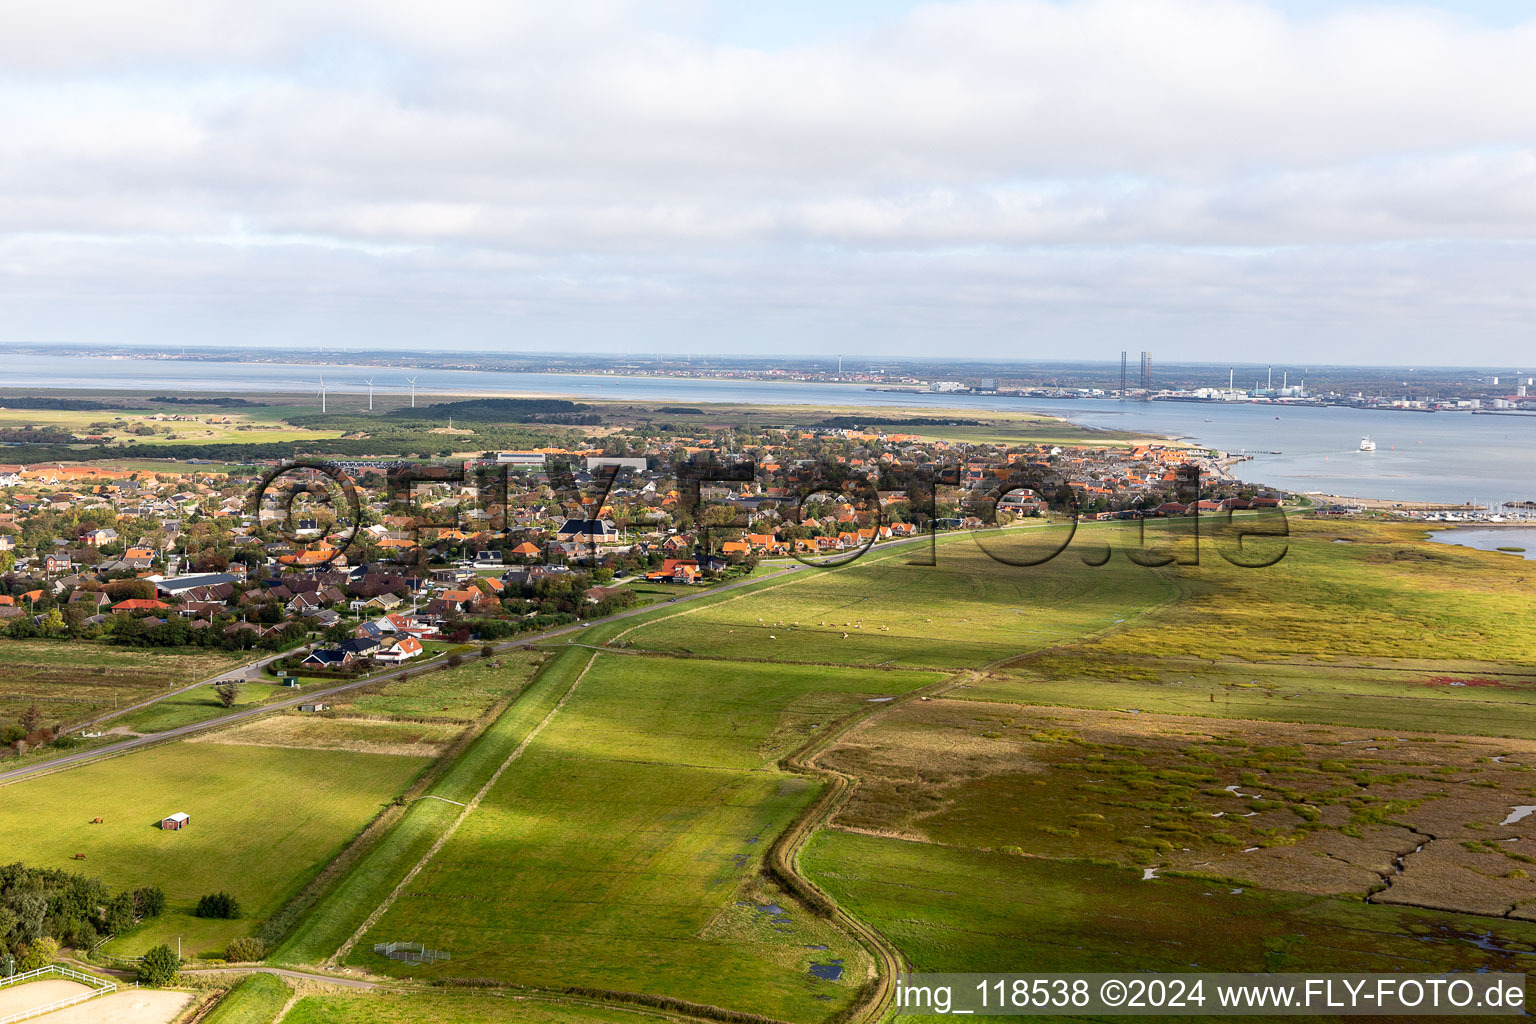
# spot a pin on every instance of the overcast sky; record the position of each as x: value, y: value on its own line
x: 1225, y: 179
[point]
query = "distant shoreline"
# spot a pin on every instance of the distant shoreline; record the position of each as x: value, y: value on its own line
x: 1424, y: 460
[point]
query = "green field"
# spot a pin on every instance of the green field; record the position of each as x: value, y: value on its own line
x: 345, y: 907
x: 196, y: 705
x: 464, y: 693
x: 1384, y: 633
x: 1425, y: 696
x: 255, y: 999
x: 1386, y: 594
x: 264, y: 820
x: 452, y: 1008
x: 966, y: 910
x: 619, y: 852
x: 244, y: 427
x: 607, y: 826
x: 966, y: 611
x: 1387, y: 631
x: 73, y: 681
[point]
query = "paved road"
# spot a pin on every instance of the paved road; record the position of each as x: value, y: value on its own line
x: 112, y: 749
x: 329, y: 979
x: 282, y: 972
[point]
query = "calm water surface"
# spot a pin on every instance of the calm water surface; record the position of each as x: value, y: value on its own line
x: 1451, y: 457
x: 1491, y: 538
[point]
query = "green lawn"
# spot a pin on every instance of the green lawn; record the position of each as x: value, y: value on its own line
x: 1472, y: 698
x: 457, y: 694
x: 196, y: 705
x: 264, y: 820
x: 78, y: 679
x: 958, y: 910
x: 1386, y: 594
x: 343, y: 909
x: 967, y: 610
x: 450, y: 1008
x: 621, y: 850
x: 255, y: 999
x: 245, y: 428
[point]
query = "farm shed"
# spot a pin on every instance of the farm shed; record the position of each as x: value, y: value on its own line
x: 314, y: 707
x: 179, y: 820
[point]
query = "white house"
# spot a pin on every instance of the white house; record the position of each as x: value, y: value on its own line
x: 393, y: 652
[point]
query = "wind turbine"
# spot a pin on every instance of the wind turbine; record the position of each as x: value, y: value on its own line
x: 322, y: 393
x: 412, y: 381
x: 369, y: 382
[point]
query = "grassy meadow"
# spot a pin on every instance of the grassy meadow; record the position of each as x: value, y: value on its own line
x: 566, y: 907
x: 620, y: 850
x: 1471, y: 698
x: 325, y: 731
x: 255, y: 999
x: 74, y: 681
x: 952, y: 909
x: 344, y: 907
x: 1267, y: 740
x: 199, y: 426
x: 264, y: 820
x: 1344, y: 591
x: 965, y: 611
x: 462, y: 694
x: 452, y: 1008
x: 1359, y: 624
x: 195, y: 705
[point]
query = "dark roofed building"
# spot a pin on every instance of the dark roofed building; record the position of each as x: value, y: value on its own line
x: 587, y: 530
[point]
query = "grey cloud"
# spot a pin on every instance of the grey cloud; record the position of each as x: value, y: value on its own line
x: 1201, y: 170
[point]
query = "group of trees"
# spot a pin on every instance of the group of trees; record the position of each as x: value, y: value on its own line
x: 29, y: 731
x: 38, y: 903
x: 219, y: 905
x: 176, y: 631
x: 42, y: 908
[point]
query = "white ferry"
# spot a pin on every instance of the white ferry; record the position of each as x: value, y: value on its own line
x: 1367, y: 445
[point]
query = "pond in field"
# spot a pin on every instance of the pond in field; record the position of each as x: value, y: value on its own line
x: 1491, y: 538
x: 830, y: 971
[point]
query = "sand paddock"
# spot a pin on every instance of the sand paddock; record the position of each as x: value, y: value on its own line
x: 125, y: 1006
x: 32, y: 994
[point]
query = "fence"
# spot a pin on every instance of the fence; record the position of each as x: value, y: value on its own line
x: 98, y: 986
x: 408, y: 952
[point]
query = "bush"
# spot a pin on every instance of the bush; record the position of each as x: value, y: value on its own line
x: 150, y: 901
x: 218, y: 904
x: 159, y: 966
x: 38, y: 953
x: 246, y: 949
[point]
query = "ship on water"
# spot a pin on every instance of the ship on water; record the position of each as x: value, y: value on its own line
x: 1367, y: 445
